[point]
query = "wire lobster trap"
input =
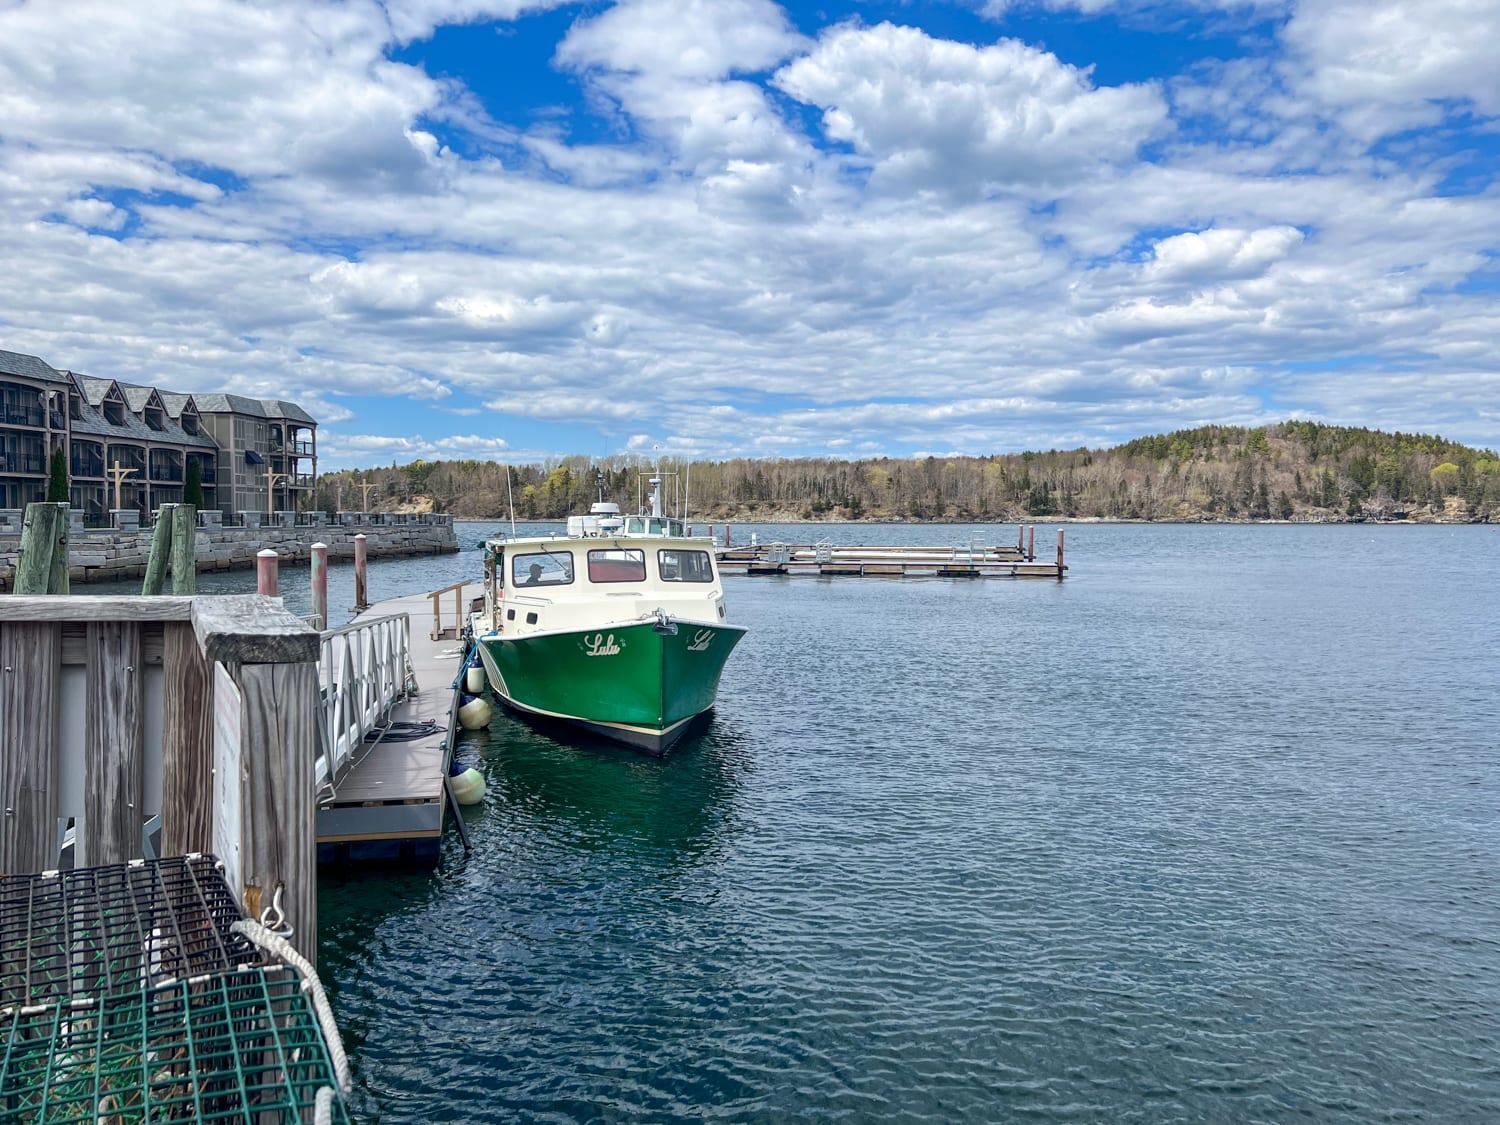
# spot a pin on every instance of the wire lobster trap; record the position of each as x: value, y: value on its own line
x: 136, y: 993
x: 99, y: 931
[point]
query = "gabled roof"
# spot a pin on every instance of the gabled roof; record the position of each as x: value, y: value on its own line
x: 176, y: 403
x: 94, y: 390
x: 255, y: 407
x: 229, y: 404
x: 93, y: 423
x: 29, y: 367
x: 279, y: 408
x: 138, y: 397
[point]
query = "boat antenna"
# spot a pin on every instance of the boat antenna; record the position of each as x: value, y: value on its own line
x: 687, y: 488
x: 512, y: 501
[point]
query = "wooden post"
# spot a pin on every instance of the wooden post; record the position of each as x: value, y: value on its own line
x: 187, y: 750
x: 1020, y: 539
x: 117, y: 477
x: 266, y: 579
x: 274, y: 660
x: 320, y: 585
x: 58, y: 580
x: 279, y: 848
x: 1031, y: 546
x: 361, y: 562
x: 39, y: 534
x: 1060, y: 567
x: 726, y: 537
x: 184, y: 549
x: 161, y: 551
x: 30, y: 663
x: 114, y: 779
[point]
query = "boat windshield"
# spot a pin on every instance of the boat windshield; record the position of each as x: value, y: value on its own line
x: 654, y: 525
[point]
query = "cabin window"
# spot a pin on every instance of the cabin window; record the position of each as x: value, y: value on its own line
x: 545, y: 568
x: 617, y: 565
x: 685, y: 566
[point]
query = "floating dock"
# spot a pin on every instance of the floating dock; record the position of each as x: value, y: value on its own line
x: 390, y: 800
x: 826, y: 560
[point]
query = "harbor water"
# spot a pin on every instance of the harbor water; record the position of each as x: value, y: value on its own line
x: 1209, y: 832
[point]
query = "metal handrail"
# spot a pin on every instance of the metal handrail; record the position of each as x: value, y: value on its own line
x: 365, y: 670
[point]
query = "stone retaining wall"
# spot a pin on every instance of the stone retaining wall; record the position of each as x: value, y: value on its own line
x: 102, y: 556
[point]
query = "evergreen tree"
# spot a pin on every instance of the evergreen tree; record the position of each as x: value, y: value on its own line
x: 192, y: 490
x: 1284, y: 505
x: 57, y: 482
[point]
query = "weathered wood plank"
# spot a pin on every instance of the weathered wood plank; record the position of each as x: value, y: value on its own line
x: 184, y: 549
x: 161, y: 551
x: 95, y: 607
x: 187, y: 746
x: 30, y: 656
x: 279, y: 716
x: 252, y: 629
x: 114, y: 779
x: 38, y: 542
x: 58, y: 580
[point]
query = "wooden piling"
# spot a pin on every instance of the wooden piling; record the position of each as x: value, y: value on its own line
x: 41, y: 529
x: 320, y: 585
x: 1060, y: 567
x: 266, y: 579
x: 1031, y: 546
x: 58, y: 581
x: 361, y: 563
x: 184, y: 549
x: 161, y: 552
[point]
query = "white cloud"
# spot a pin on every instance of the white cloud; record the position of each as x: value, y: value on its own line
x: 699, y: 40
x: 1383, y: 65
x: 938, y: 115
x: 1221, y: 253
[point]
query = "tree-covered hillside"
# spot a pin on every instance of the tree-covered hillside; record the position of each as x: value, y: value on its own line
x: 1292, y: 471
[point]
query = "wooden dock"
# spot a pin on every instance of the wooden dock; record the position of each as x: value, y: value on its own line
x: 389, y: 800
x: 826, y: 560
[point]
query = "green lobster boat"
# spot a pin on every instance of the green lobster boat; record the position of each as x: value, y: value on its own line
x: 618, y: 628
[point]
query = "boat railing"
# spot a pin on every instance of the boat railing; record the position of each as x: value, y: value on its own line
x: 365, y: 669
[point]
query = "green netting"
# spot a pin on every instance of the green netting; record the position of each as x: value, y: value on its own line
x: 238, y: 1046
x: 101, y: 931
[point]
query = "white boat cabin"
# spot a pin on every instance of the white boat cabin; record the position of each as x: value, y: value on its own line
x: 552, y: 584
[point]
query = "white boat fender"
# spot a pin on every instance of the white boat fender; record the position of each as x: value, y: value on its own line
x: 473, y: 713
x: 468, y: 786
x: 474, y: 679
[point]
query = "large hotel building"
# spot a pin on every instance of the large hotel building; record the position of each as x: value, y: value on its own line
x: 253, y: 454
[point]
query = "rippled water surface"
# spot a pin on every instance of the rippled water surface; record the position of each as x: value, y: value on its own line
x: 1207, y: 832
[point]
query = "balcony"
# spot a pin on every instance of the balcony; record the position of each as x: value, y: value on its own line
x: 30, y: 463
x: 22, y: 415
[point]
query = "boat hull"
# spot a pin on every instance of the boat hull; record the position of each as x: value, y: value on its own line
x: 638, y: 682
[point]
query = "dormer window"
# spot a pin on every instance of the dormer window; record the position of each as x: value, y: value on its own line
x: 153, y: 418
x: 189, y: 422
x: 114, y: 412
x: 75, y: 408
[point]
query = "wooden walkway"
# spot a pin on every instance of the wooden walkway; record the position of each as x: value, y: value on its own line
x: 391, y: 801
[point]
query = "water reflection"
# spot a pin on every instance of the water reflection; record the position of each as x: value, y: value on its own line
x: 602, y: 796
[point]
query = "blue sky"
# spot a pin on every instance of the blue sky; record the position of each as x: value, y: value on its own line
x: 510, y: 230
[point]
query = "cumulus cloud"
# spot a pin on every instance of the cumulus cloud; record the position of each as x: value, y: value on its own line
x: 939, y: 115
x: 1389, y: 65
x: 739, y: 239
x: 1218, y: 254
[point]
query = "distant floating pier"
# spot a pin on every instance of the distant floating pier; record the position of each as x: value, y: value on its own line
x: 824, y: 559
